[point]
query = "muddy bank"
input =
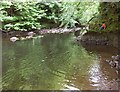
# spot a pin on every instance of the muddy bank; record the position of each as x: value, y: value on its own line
x: 104, y: 38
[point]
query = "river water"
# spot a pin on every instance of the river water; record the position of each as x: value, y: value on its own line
x: 56, y: 62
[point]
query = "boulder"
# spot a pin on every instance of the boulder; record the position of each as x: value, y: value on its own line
x: 14, y: 39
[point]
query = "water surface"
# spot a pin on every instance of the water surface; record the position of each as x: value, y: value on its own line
x: 55, y: 62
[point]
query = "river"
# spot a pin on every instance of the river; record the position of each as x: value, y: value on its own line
x: 56, y: 62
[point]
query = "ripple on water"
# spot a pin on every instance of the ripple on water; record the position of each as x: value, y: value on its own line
x: 68, y: 87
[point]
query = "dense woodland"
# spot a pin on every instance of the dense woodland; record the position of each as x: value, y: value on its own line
x: 36, y: 15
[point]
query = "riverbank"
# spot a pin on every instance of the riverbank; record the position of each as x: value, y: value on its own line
x: 24, y: 35
x: 97, y: 38
x: 94, y: 38
x: 38, y: 32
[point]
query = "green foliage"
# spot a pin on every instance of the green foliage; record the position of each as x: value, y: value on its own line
x: 24, y: 16
x: 109, y: 12
x: 21, y: 16
x: 52, y: 10
x: 67, y: 17
x: 77, y: 12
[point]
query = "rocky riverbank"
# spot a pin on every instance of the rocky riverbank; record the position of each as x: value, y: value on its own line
x: 18, y: 35
x: 42, y: 31
x: 96, y: 38
x: 114, y: 62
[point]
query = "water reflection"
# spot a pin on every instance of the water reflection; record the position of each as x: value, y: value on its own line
x: 51, y: 62
x: 101, y: 74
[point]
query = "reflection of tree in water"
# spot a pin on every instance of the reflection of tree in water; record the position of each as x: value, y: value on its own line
x: 55, y: 43
x: 105, y: 52
x: 55, y: 48
x: 29, y: 68
x: 12, y: 54
x: 72, y: 61
x: 80, y: 64
x: 44, y: 63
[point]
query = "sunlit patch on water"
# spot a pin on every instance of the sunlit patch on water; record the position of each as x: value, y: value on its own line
x: 95, y: 73
x: 67, y: 87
